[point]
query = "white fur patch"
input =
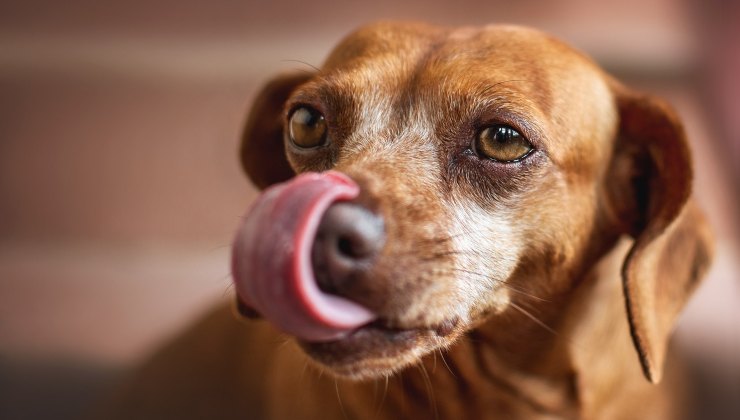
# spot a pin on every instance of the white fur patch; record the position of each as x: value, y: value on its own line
x: 487, y: 250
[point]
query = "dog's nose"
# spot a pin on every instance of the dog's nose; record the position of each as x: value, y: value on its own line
x: 347, y: 240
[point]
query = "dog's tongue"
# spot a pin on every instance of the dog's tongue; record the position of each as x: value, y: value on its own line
x: 272, y: 259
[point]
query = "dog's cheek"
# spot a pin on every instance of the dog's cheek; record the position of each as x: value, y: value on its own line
x: 487, y: 246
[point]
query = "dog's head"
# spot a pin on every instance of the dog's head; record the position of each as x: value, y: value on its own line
x: 472, y: 171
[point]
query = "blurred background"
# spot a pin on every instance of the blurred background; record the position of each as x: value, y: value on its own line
x: 120, y: 185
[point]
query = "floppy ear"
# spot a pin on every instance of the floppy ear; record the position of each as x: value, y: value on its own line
x: 649, y: 184
x: 262, y: 149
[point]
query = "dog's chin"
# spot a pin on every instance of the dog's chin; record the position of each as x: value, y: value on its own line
x: 375, y: 350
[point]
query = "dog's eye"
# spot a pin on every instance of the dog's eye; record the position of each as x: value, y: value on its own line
x: 307, y: 127
x: 502, y: 143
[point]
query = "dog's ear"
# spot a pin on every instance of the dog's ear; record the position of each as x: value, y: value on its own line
x: 262, y: 150
x: 649, y: 184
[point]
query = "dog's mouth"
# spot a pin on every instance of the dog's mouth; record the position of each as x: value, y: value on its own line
x: 374, y: 349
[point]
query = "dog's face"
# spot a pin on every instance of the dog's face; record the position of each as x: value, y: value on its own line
x: 487, y: 158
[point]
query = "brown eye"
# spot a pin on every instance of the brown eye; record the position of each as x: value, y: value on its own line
x: 502, y: 143
x: 307, y: 127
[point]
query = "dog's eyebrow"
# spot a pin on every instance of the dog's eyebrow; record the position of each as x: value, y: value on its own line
x: 326, y: 93
x: 501, y: 96
x: 534, y: 88
x: 486, y: 90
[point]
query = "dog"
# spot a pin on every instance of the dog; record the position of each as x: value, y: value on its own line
x: 457, y: 223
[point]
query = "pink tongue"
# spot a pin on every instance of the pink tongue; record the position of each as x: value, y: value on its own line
x: 272, y: 259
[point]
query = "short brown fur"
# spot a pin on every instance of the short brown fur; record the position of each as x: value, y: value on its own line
x: 556, y: 300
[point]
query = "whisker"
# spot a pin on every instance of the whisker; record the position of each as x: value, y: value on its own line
x: 375, y: 392
x: 218, y: 248
x: 504, y: 284
x: 227, y: 290
x: 305, y: 368
x: 382, y: 400
x: 339, y: 398
x: 302, y: 62
x: 533, y: 318
x: 430, y: 390
x: 472, y: 273
x: 283, y: 344
x: 432, y: 255
x: 224, y: 278
x: 424, y: 247
x: 521, y: 292
x: 442, y: 239
x: 439, y: 255
x: 493, y: 86
x: 445, y: 362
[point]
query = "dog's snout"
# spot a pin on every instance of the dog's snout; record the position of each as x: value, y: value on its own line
x: 348, y: 238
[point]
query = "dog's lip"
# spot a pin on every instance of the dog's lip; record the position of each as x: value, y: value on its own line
x: 378, y: 344
x: 442, y: 329
x: 382, y: 327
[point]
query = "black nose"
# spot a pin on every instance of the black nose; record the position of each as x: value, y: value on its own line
x: 348, y: 239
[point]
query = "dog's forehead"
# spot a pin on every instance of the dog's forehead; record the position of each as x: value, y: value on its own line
x: 408, y: 53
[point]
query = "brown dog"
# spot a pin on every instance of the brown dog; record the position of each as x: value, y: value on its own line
x: 506, y: 232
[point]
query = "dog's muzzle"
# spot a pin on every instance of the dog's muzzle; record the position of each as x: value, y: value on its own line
x: 294, y: 230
